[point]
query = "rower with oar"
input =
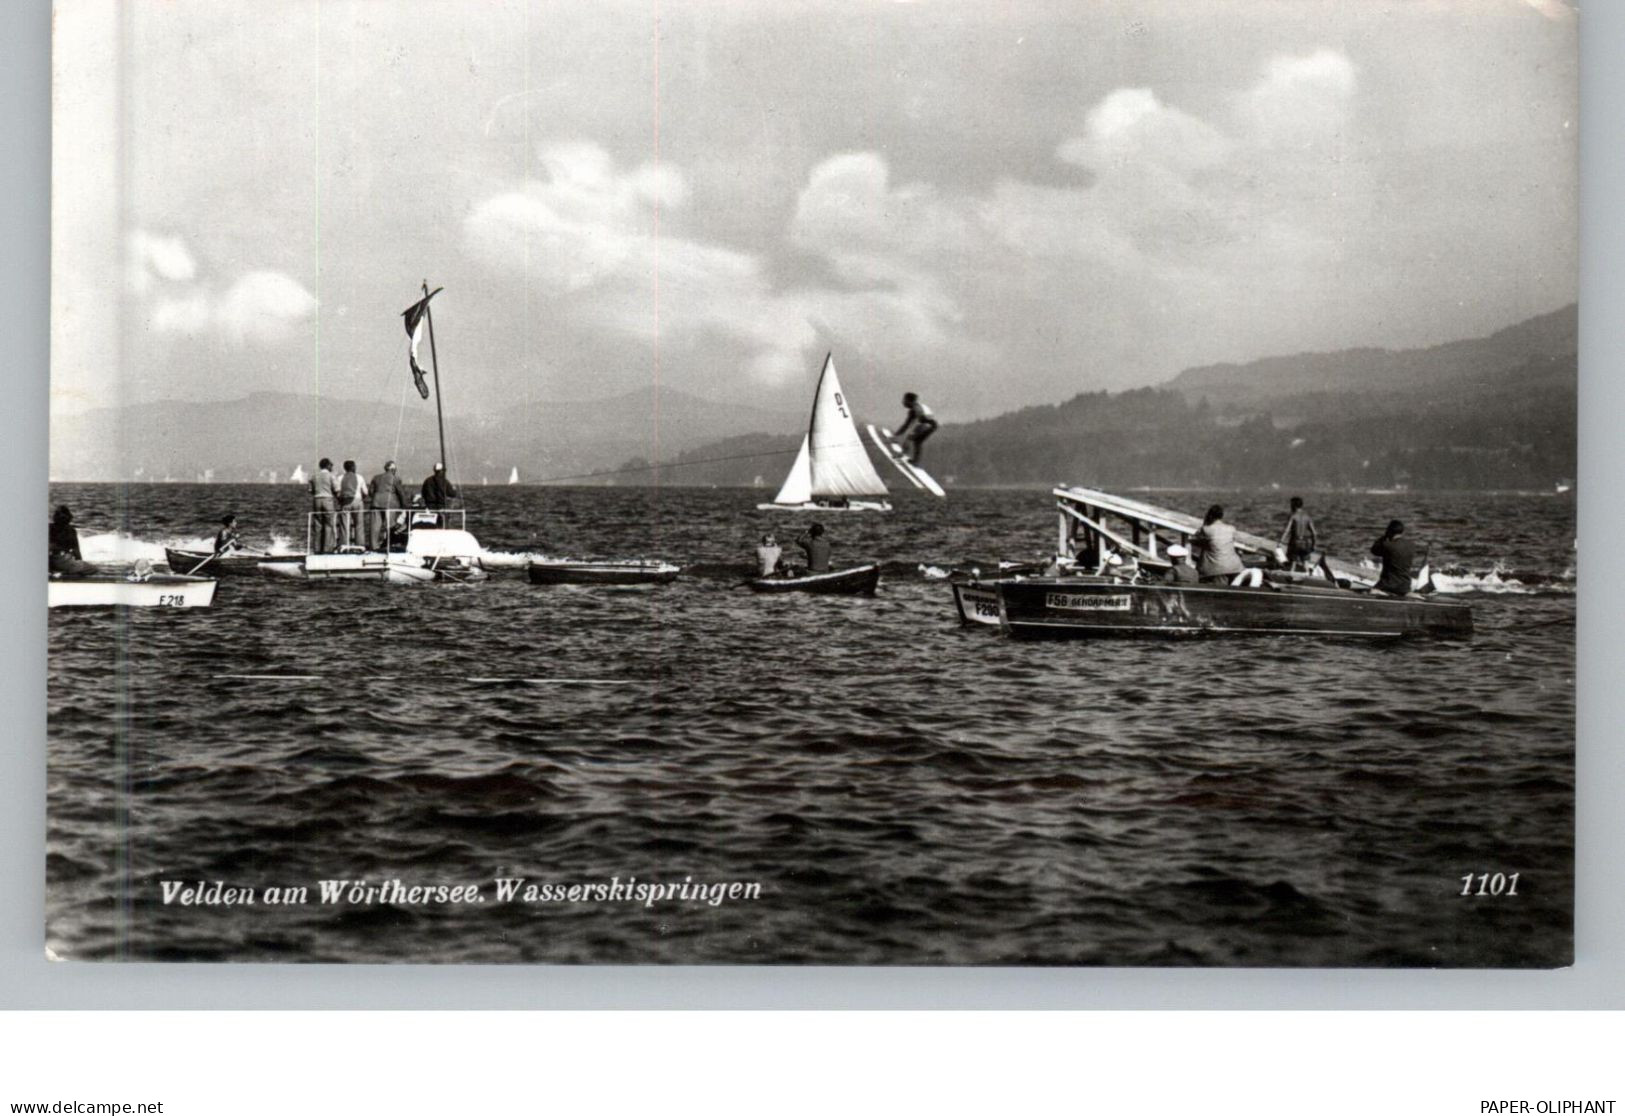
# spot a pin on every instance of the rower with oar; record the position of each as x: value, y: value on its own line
x: 227, y: 543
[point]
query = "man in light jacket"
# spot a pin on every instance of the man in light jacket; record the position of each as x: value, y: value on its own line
x: 352, y: 507
x: 324, y: 503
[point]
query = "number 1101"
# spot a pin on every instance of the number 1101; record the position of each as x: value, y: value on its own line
x: 1487, y: 884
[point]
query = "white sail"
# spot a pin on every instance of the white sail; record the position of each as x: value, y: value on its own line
x: 840, y: 464
x: 797, y: 487
x: 298, y: 475
x: 513, y: 477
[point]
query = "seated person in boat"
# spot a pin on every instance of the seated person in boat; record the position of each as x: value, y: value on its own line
x: 922, y: 421
x: 1180, y: 570
x: 1298, y: 537
x: 64, y: 540
x: 768, y: 556
x: 1120, y: 566
x: 225, y: 539
x: 1215, y: 547
x: 1398, y: 556
x: 817, y: 549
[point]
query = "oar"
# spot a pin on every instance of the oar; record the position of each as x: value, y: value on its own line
x: 201, y: 564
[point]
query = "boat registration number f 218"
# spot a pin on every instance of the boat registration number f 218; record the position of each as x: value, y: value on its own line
x: 1089, y: 602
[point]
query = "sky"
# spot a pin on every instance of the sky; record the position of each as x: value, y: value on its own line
x: 993, y: 205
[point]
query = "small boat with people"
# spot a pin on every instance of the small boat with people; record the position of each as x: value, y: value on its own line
x: 1122, y: 569
x: 832, y: 471
x: 565, y: 571
x: 238, y: 563
x: 856, y: 581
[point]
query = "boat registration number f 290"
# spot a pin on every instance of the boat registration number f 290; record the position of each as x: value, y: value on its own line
x: 1089, y: 602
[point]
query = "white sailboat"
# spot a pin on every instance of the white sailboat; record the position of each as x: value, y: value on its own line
x: 513, y: 477
x: 298, y: 475
x: 832, y: 469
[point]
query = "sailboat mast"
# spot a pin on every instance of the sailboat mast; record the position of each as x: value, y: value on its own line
x: 434, y: 360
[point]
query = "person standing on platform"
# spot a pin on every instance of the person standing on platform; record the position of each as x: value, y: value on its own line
x: 438, y: 492
x: 352, y: 507
x: 324, y: 506
x: 1298, y: 538
x: 388, y: 501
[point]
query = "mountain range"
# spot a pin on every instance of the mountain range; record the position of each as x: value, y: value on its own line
x: 1490, y: 412
x: 1497, y: 412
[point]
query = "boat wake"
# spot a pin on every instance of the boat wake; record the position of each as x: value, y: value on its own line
x: 117, y: 548
x: 1502, y: 581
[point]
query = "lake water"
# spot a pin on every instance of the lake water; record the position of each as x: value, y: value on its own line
x: 897, y: 788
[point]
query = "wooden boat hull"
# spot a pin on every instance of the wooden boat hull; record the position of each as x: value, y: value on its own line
x: 601, y: 573
x: 108, y: 591
x: 859, y: 579
x: 231, y: 565
x: 1072, y: 608
x: 830, y: 509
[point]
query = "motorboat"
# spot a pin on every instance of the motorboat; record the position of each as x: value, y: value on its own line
x: 1050, y: 607
x: 135, y: 590
x: 1110, y: 577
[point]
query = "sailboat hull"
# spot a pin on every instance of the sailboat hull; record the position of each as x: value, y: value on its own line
x: 850, y: 506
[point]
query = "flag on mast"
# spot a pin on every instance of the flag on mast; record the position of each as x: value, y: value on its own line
x: 415, y: 315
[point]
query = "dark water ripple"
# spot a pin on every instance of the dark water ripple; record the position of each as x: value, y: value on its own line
x: 904, y: 790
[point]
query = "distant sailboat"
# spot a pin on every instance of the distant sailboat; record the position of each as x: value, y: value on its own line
x: 513, y: 477
x: 832, y: 468
x: 298, y: 475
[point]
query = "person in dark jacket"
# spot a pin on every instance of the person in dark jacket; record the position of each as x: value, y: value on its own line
x: 438, y: 491
x: 64, y: 546
x: 817, y: 549
x: 1398, y: 556
x: 387, y: 497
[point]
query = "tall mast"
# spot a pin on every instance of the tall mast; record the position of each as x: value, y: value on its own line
x: 439, y: 411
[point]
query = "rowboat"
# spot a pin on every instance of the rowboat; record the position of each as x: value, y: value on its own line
x: 1047, y: 607
x: 831, y: 472
x: 110, y: 590
x: 550, y: 571
x: 236, y: 564
x: 858, y: 579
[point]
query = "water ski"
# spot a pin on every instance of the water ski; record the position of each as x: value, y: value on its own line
x: 893, y: 452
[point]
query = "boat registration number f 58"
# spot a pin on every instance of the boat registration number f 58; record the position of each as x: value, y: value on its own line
x: 1089, y: 602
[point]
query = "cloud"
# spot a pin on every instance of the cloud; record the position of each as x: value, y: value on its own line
x: 263, y: 307
x: 260, y: 307
x: 587, y: 233
x: 1301, y: 102
x: 152, y: 259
